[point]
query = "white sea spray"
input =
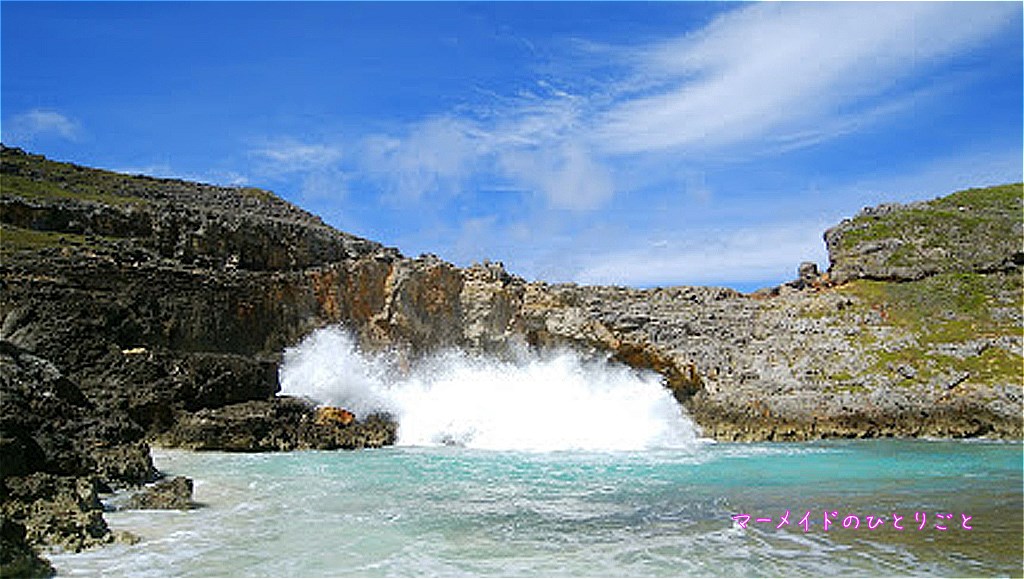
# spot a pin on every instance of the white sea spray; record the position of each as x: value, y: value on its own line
x: 558, y: 401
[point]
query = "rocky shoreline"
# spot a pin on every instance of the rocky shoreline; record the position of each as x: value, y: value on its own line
x: 137, y: 310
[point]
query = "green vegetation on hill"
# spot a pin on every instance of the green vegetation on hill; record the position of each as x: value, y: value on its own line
x: 971, y: 230
x: 15, y: 239
x: 955, y: 321
x: 37, y: 177
x: 46, y: 190
x: 975, y: 213
x: 934, y: 290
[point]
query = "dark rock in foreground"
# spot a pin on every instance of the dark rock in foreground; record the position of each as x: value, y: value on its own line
x: 47, y: 424
x: 279, y: 424
x: 61, y: 512
x: 17, y: 557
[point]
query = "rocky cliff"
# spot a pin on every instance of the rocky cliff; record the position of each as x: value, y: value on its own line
x: 158, y: 309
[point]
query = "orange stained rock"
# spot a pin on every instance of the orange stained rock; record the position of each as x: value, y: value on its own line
x: 332, y: 415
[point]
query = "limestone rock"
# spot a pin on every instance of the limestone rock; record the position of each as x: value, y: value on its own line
x: 48, y: 425
x: 170, y: 303
x: 332, y: 416
x: 168, y: 494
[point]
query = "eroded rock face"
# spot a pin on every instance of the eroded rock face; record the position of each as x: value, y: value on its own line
x: 57, y: 451
x: 333, y: 416
x: 159, y: 321
x: 48, y: 425
x: 60, y: 512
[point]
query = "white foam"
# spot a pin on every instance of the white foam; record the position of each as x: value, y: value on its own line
x: 556, y: 402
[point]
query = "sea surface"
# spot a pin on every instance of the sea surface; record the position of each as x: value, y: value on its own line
x: 457, y: 511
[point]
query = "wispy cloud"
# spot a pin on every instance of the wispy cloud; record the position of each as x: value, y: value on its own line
x: 740, y: 256
x: 318, y: 166
x: 767, y: 77
x: 758, y: 81
x: 435, y: 156
x: 165, y: 171
x: 567, y: 175
x: 775, y: 71
x: 30, y: 126
x: 525, y: 142
x: 292, y: 156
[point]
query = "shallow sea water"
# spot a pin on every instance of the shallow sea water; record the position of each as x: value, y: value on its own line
x: 444, y: 511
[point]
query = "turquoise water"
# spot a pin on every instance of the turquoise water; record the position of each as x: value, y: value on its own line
x: 418, y: 511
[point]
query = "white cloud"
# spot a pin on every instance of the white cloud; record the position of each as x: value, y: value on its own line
x: 40, y: 123
x: 745, y: 255
x: 435, y: 156
x: 318, y: 167
x: 568, y: 176
x: 775, y: 71
x: 527, y: 143
x: 759, y: 79
x: 292, y: 156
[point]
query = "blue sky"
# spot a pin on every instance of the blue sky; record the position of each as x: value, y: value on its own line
x: 618, y: 143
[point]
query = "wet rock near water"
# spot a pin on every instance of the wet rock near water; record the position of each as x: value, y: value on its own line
x: 279, y: 424
x: 48, y: 425
x: 169, y: 494
x: 60, y: 512
x: 17, y: 557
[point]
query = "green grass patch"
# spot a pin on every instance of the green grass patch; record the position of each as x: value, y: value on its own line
x: 987, y: 199
x: 838, y: 386
x: 940, y: 231
x: 18, y: 239
x: 48, y: 190
x: 994, y: 365
x: 942, y: 309
x: 40, y: 178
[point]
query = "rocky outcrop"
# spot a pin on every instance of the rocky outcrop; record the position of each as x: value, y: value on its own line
x: 48, y: 425
x: 825, y: 363
x: 332, y: 416
x: 17, y: 557
x: 60, y: 512
x: 127, y: 301
x: 173, y: 494
x: 977, y: 230
x: 163, y: 326
x: 278, y: 424
x: 57, y: 452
